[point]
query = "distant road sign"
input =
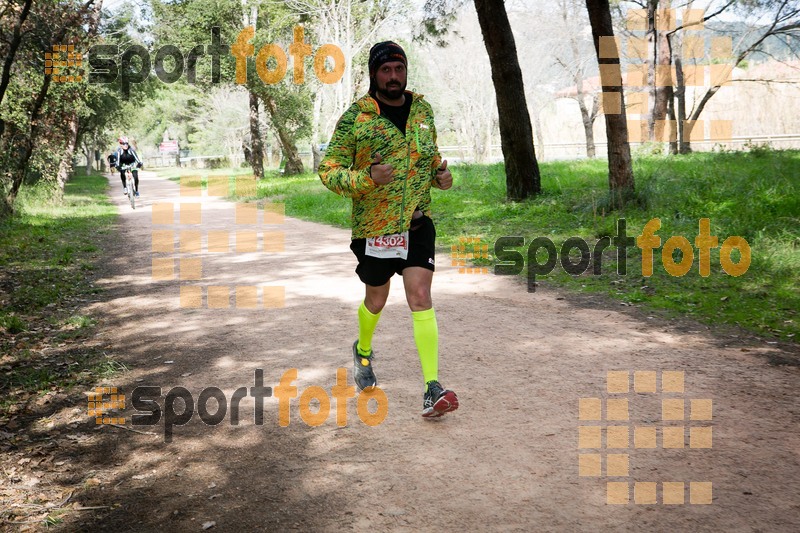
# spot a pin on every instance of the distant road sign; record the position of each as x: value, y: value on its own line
x: 168, y: 147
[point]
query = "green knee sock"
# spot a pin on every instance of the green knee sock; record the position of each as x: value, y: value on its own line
x: 366, y: 327
x: 426, y: 335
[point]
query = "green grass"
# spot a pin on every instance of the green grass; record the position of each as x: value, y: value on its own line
x: 47, y: 252
x: 191, y: 177
x: 304, y: 195
x: 13, y: 324
x: 75, y: 327
x: 44, y: 248
x: 754, y: 195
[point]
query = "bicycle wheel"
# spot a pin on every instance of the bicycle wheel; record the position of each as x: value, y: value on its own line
x: 131, y: 193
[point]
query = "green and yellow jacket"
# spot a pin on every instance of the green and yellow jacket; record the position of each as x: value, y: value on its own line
x: 362, y: 132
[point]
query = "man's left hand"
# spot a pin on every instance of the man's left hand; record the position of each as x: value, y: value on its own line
x: 444, y: 180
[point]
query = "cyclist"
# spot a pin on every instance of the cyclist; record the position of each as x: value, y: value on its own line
x: 126, y: 155
x: 112, y: 161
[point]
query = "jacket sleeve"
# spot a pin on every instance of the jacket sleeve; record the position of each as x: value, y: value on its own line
x: 437, y: 157
x: 337, y: 169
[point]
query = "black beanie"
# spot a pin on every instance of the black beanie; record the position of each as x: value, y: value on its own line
x: 383, y: 53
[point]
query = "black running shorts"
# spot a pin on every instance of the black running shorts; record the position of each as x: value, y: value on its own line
x: 376, y: 271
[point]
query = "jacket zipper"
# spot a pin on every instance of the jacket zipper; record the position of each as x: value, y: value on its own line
x: 405, y: 183
x: 408, y: 162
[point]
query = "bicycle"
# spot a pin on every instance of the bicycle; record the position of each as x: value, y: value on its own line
x: 129, y: 183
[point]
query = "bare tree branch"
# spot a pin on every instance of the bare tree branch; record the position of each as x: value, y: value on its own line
x: 771, y: 30
x: 707, y: 17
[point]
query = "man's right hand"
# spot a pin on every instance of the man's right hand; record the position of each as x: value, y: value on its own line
x: 380, y: 174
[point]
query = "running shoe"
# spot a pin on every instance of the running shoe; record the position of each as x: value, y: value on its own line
x: 124, y: 191
x: 137, y: 194
x: 364, y: 375
x: 438, y: 401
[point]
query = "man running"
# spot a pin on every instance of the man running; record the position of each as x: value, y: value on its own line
x: 383, y: 155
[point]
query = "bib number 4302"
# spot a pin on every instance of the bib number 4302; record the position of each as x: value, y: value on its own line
x: 388, y: 246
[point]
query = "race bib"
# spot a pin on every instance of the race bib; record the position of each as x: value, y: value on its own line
x: 388, y: 246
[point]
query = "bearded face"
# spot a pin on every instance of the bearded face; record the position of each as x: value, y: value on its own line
x: 390, y: 79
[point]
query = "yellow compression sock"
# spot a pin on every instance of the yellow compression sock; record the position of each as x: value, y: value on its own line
x: 426, y: 335
x: 366, y: 327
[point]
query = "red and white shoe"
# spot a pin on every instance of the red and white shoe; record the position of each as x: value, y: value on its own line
x: 437, y: 401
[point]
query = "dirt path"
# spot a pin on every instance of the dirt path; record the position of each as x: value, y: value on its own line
x: 508, y: 459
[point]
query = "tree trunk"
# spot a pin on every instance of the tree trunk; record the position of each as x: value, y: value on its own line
x: 316, y: 155
x: 516, y: 134
x: 294, y: 165
x: 650, y: 61
x: 16, y: 41
x: 539, y: 132
x: 680, y: 97
x: 677, y: 110
x: 663, y: 93
x: 89, y: 156
x: 65, y: 165
x: 19, y: 166
x: 73, y: 130
x: 591, y: 149
x: 256, y: 142
x: 588, y: 125
x: 586, y: 116
x: 11, y: 144
x: 673, y: 136
x: 620, y: 171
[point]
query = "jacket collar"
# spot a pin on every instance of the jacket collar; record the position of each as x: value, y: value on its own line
x: 368, y: 104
